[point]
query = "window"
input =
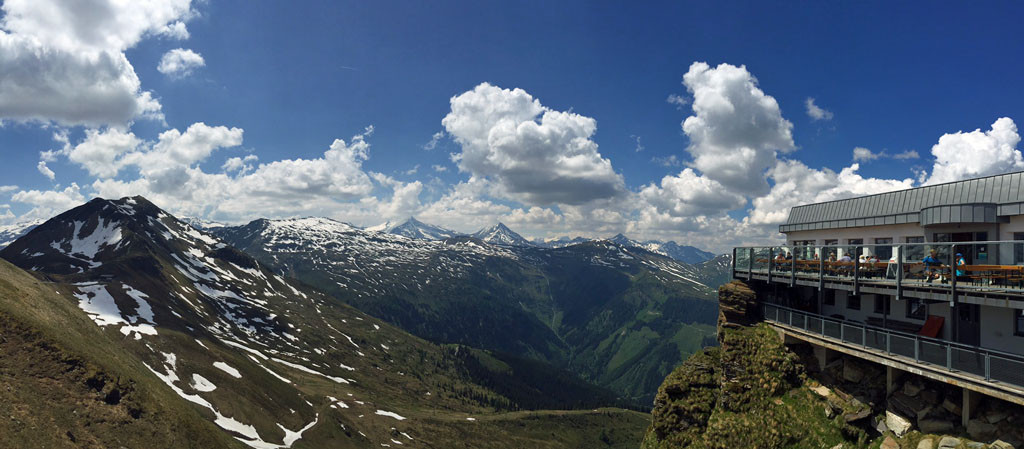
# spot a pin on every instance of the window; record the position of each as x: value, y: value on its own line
x: 853, y: 302
x: 803, y: 249
x: 916, y: 309
x: 914, y: 252
x: 1018, y: 323
x: 880, y: 304
x: 1018, y: 248
x: 980, y: 251
x: 851, y: 250
x: 883, y: 252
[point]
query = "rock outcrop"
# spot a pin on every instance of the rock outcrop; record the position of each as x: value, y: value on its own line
x: 737, y: 305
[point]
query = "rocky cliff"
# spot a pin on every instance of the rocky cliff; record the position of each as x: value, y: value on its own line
x: 754, y: 391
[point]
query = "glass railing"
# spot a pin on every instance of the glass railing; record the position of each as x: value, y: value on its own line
x: 989, y: 364
x: 954, y: 266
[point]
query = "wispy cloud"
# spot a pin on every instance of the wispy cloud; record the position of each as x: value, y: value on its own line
x: 816, y: 112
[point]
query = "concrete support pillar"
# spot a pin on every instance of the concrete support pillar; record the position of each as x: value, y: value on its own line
x: 966, y: 415
x: 890, y: 380
x: 821, y: 353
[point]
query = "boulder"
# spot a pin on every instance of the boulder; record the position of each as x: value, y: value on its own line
x: 822, y: 391
x: 951, y: 407
x: 930, y: 396
x: 851, y: 372
x: 880, y: 426
x: 890, y: 443
x: 897, y: 424
x: 1000, y: 444
x: 995, y: 416
x: 937, y: 426
x: 911, y: 388
x: 908, y: 406
x: 857, y: 416
x: 925, y: 443
x: 975, y: 445
x: 980, y: 429
x: 949, y: 443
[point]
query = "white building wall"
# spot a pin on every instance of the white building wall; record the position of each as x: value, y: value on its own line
x: 898, y: 233
x: 997, y: 330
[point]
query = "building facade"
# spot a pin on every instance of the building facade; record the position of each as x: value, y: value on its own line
x: 937, y: 271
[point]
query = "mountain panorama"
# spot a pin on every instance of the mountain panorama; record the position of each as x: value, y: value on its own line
x: 314, y: 332
x: 502, y: 225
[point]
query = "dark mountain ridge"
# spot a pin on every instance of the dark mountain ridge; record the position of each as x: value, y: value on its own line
x: 269, y: 360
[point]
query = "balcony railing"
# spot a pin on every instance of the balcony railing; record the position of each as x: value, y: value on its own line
x: 988, y: 364
x: 989, y: 267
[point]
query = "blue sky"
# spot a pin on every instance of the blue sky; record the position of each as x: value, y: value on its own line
x: 291, y: 77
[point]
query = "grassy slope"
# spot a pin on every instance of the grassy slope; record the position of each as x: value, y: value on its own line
x: 61, y: 367
x: 65, y: 383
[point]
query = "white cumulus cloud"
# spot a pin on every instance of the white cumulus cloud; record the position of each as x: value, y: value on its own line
x: 534, y: 154
x: 736, y: 130
x: 63, y: 61
x: 977, y: 153
x: 179, y: 63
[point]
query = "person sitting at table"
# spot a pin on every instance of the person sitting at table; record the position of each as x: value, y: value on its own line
x: 872, y: 258
x: 960, y: 262
x: 845, y: 258
x: 862, y: 259
x: 931, y: 266
x: 831, y: 257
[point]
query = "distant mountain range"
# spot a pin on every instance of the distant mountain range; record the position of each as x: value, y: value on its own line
x: 499, y: 234
x: 160, y: 335
x: 617, y: 315
x: 12, y: 232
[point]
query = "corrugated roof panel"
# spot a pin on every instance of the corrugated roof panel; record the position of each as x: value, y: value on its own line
x: 888, y: 203
x: 1002, y: 189
x: 945, y: 195
x: 857, y: 208
x: 1015, y: 187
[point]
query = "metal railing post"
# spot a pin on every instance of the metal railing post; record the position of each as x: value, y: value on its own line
x: 805, y: 321
x: 856, y: 270
x: 917, y: 349
x: 949, y: 356
x: 988, y: 366
x: 771, y: 262
x: 888, y: 342
x: 864, y: 336
x: 821, y: 269
x: 842, y: 332
x: 733, y: 262
x: 899, y: 271
x: 952, y: 274
x: 792, y: 268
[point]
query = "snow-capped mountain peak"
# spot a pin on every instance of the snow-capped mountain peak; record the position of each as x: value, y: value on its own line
x: 416, y: 229
x: 11, y: 232
x: 500, y: 234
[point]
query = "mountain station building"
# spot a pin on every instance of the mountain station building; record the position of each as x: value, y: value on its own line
x: 927, y: 280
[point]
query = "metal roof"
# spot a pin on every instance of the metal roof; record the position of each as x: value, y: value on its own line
x: 1002, y: 194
